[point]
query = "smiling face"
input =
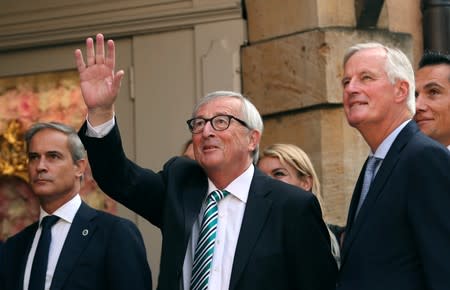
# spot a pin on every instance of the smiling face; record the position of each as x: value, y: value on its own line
x: 54, y: 177
x: 433, y: 101
x: 282, y: 171
x: 374, y: 104
x: 368, y: 93
x: 228, y: 152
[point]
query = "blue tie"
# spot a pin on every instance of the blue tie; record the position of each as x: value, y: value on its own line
x: 40, y: 260
x: 205, y: 246
x: 369, y: 175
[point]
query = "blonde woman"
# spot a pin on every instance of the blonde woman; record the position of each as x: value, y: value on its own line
x: 290, y: 164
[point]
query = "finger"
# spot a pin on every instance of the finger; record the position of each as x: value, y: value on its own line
x: 90, y: 54
x: 111, y: 56
x: 81, y: 66
x: 100, y: 49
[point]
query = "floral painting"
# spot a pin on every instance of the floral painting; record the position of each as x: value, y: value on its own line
x: 25, y: 100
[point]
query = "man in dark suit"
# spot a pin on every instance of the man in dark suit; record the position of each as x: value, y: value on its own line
x: 398, y: 226
x: 89, y: 249
x: 265, y: 234
x: 433, y: 96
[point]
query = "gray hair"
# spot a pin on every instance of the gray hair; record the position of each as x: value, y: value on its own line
x: 249, y: 113
x: 76, y: 147
x: 397, y: 67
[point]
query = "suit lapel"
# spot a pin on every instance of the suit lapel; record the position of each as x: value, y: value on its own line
x: 376, y: 188
x: 192, y: 202
x: 255, y: 215
x: 80, y: 233
x: 355, y: 198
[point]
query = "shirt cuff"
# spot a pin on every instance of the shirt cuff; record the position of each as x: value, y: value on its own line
x: 101, y: 130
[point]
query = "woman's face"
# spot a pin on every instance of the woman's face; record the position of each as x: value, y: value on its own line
x: 273, y: 167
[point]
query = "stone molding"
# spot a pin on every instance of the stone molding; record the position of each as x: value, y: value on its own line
x: 63, y: 24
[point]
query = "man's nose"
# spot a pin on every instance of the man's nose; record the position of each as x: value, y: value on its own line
x: 351, y: 87
x: 41, y: 164
x: 420, y: 103
x: 208, y: 129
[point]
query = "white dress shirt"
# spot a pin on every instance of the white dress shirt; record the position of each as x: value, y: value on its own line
x: 66, y: 213
x: 231, y: 212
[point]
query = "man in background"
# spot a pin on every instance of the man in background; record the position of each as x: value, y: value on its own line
x: 72, y: 246
x: 398, y: 226
x: 433, y: 96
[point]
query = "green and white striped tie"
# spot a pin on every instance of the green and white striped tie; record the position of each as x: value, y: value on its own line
x: 205, y: 246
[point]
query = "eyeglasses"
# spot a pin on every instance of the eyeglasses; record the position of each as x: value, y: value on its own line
x: 219, y: 123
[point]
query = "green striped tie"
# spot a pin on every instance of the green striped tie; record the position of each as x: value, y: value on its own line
x: 205, y: 246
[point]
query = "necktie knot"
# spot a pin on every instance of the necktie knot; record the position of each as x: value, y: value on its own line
x: 217, y: 195
x: 48, y: 222
x: 372, y: 164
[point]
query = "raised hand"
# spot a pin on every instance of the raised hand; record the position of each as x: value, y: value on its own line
x: 99, y: 82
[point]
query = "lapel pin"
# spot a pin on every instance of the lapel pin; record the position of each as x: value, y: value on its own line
x: 85, y: 232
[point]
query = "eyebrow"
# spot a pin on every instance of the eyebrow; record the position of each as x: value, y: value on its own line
x: 433, y: 84
x: 278, y: 169
x: 45, y: 153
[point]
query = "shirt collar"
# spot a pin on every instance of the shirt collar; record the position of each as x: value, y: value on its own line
x: 67, y: 211
x: 384, y: 147
x: 238, y: 187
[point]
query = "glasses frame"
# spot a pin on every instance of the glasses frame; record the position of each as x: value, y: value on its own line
x: 210, y: 120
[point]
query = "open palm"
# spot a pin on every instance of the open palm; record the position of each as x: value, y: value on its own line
x: 99, y: 82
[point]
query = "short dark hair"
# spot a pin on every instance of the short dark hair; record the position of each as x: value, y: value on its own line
x: 431, y: 57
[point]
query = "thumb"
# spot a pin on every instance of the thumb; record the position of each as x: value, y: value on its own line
x: 118, y: 80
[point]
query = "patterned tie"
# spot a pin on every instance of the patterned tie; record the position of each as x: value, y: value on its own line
x: 205, y: 246
x: 40, y: 260
x: 369, y: 175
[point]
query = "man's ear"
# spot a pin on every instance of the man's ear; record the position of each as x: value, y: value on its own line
x: 255, y: 138
x: 80, y: 167
x: 401, y: 91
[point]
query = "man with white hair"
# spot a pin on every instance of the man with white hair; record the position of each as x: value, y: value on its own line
x: 398, y: 226
x: 225, y: 224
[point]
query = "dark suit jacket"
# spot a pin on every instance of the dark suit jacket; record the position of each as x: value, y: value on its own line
x: 283, y: 241
x: 401, y: 237
x: 111, y: 256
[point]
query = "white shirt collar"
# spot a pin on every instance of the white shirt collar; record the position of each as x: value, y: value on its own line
x: 67, y: 211
x: 238, y: 187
